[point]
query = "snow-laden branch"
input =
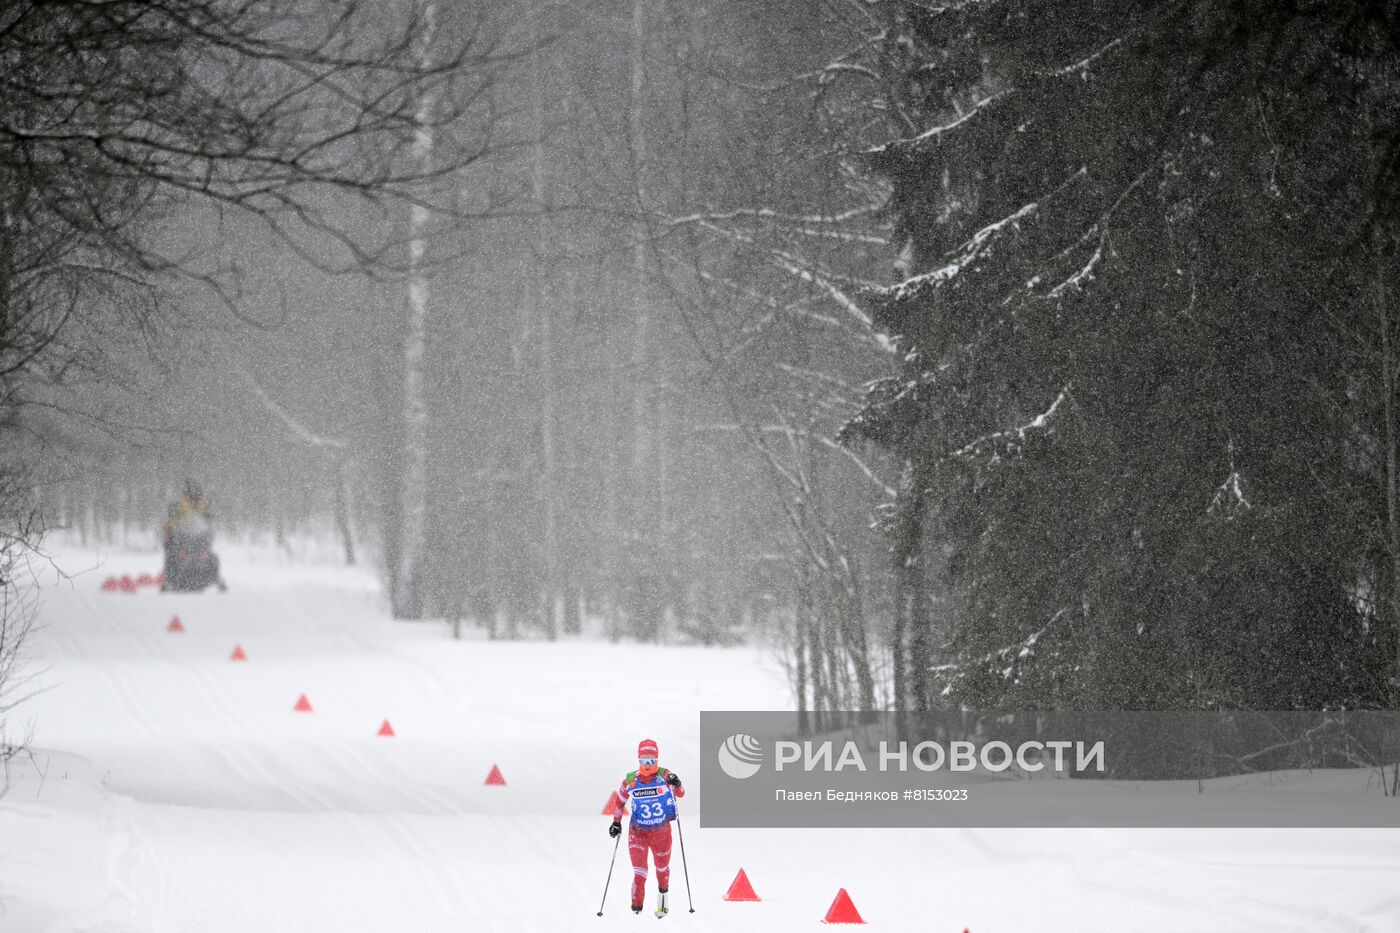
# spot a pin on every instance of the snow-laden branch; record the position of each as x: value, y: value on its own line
x: 766, y: 213
x: 1015, y: 434
x: 1008, y: 655
x: 1308, y: 736
x: 800, y: 371
x: 837, y: 294
x: 811, y: 274
x: 831, y: 71
x: 967, y: 254
x: 1229, y: 496
x: 1081, y: 67
x: 860, y: 464
x: 792, y: 309
x: 938, y: 131
x: 789, y: 432
x: 1086, y: 272
x: 307, y: 436
x: 824, y: 75
x: 1099, y: 228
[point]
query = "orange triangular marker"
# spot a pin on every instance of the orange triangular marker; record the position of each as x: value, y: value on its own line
x: 610, y: 807
x: 842, y: 910
x: 238, y: 654
x: 741, y: 890
x: 175, y: 625
x: 495, y: 777
x: 303, y: 705
x: 386, y: 729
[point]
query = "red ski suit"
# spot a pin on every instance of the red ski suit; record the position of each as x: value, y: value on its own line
x: 641, y: 839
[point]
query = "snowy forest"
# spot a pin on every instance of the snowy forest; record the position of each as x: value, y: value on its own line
x: 1000, y: 353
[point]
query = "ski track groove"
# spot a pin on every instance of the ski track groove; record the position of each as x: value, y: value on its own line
x: 355, y: 761
x: 435, y: 680
x: 247, y: 765
x: 121, y: 688
x: 243, y: 764
x: 250, y: 766
x: 452, y: 895
x: 144, y: 843
x: 441, y: 884
x: 446, y: 889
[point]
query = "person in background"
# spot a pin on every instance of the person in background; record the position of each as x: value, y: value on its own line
x: 188, y: 539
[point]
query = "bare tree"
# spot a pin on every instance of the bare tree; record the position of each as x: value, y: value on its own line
x: 306, y: 117
x: 407, y: 574
x: 19, y: 534
x: 132, y: 130
x: 335, y: 449
x: 766, y: 267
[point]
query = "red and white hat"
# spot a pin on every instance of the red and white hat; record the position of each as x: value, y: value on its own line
x: 647, y: 749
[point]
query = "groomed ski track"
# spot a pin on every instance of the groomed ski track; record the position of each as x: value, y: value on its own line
x: 171, y: 789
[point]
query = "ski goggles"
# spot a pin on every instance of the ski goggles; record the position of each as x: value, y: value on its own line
x: 647, y: 762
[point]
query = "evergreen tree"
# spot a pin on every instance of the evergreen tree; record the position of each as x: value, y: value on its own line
x: 1145, y: 361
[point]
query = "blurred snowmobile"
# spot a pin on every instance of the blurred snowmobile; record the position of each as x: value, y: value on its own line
x: 188, y: 536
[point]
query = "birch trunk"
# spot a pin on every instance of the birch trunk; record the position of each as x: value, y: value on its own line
x: 343, y: 522
x: 544, y: 313
x: 407, y: 596
x: 800, y: 650
x: 641, y: 342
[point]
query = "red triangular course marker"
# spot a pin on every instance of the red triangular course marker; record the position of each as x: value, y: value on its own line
x: 238, y: 654
x: 741, y: 890
x: 610, y: 807
x: 303, y: 705
x: 386, y: 729
x: 842, y: 910
x: 175, y: 625
x: 495, y: 777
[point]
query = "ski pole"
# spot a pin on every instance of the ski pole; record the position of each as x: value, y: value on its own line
x: 608, y: 883
x: 684, y: 867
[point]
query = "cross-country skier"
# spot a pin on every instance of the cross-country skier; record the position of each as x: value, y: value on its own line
x: 653, y: 791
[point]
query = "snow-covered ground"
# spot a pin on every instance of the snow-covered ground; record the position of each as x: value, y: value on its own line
x: 171, y: 789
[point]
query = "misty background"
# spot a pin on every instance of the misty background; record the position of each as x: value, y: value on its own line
x: 1013, y: 354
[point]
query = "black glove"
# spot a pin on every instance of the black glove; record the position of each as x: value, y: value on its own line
x: 673, y: 779
x: 615, y: 829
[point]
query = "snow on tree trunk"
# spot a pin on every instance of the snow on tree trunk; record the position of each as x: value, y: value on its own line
x: 641, y: 314
x: 1392, y: 437
x: 407, y: 597
x: 343, y: 521
x: 912, y: 658
x: 543, y: 306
